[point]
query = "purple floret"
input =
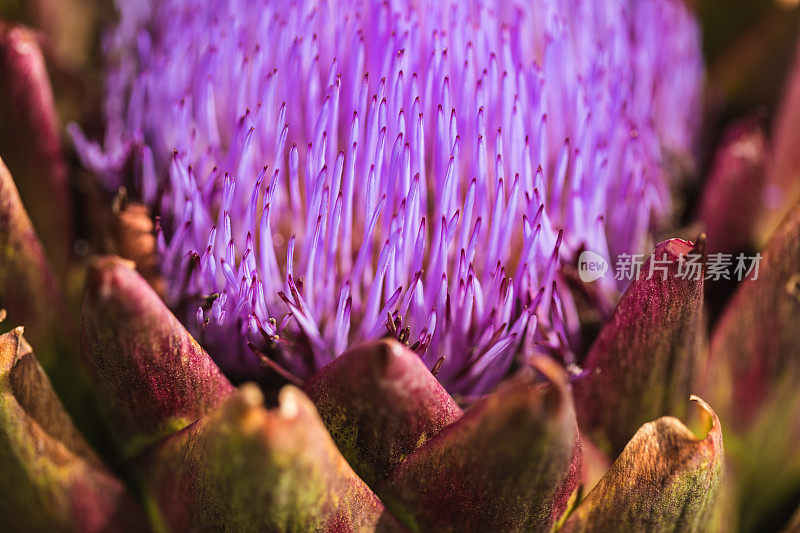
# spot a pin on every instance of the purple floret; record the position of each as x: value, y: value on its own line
x: 327, y: 173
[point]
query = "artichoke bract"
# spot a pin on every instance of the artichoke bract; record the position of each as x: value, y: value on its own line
x: 352, y: 256
x: 154, y: 376
x: 30, y: 139
x: 52, y: 480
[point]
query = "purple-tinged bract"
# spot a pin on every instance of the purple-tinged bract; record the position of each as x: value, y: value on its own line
x: 326, y: 173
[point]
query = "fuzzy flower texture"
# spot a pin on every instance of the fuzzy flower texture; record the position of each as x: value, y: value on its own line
x: 328, y: 173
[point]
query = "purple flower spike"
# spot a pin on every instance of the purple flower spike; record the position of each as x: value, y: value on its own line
x: 327, y: 174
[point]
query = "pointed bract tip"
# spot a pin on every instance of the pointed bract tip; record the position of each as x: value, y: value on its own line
x: 290, y: 401
x: 251, y: 395
x: 551, y: 370
x: 702, y: 404
x: 714, y: 426
x: 104, y: 273
x: 700, y: 245
x: 673, y: 248
x: 101, y: 263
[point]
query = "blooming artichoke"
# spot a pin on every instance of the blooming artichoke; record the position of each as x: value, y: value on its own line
x: 391, y: 266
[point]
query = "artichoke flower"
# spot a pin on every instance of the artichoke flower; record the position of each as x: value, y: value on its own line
x: 341, y: 283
